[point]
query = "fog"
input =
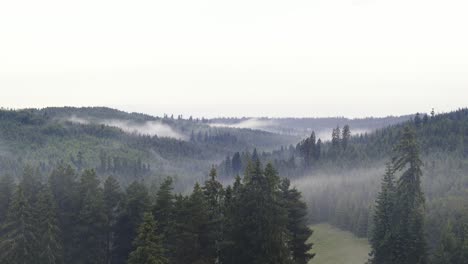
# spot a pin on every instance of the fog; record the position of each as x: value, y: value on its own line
x: 152, y: 128
x: 252, y: 123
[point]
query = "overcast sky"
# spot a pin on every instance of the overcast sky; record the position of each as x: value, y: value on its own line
x: 236, y: 58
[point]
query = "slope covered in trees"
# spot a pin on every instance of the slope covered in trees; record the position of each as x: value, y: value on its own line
x: 129, y: 146
x: 340, y: 178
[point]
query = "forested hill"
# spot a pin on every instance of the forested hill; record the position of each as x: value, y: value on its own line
x: 340, y: 178
x: 128, y: 145
x: 135, y: 145
x: 304, y: 126
x: 440, y: 134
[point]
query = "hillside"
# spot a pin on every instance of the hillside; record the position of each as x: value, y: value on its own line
x: 341, y: 183
x: 128, y: 145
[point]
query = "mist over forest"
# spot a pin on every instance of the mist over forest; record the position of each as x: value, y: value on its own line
x: 143, y: 173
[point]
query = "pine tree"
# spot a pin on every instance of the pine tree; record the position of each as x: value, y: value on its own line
x: 90, y: 235
x: 345, y: 137
x: 112, y: 198
x: 410, y: 202
x: 214, y: 193
x: 262, y: 219
x: 48, y: 232
x: 383, y: 237
x: 148, y: 245
x: 163, y: 211
x: 298, y: 230
x: 64, y: 188
x: 18, y: 244
x: 135, y: 203
x: 192, y: 228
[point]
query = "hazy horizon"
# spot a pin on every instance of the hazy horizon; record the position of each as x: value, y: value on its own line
x: 352, y: 58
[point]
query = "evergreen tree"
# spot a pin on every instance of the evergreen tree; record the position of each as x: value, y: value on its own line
x: 163, y: 211
x: 336, y: 140
x: 135, y: 203
x: 298, y: 230
x: 383, y: 237
x: 48, y: 232
x: 345, y: 137
x: 263, y: 219
x: 64, y: 188
x: 411, y: 244
x: 112, y: 198
x: 90, y: 235
x: 148, y: 245
x: 214, y: 193
x: 192, y: 228
x: 19, y: 243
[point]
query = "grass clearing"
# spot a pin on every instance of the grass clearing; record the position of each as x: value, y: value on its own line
x: 335, y: 246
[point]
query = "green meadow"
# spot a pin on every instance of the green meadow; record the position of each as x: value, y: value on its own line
x: 334, y: 246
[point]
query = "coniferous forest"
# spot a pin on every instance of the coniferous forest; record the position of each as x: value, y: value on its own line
x: 116, y: 197
x: 72, y: 217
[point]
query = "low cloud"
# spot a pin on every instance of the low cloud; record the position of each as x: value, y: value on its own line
x: 152, y: 128
x: 252, y: 123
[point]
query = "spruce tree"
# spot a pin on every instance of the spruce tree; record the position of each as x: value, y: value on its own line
x: 64, y: 188
x: 298, y: 230
x: 148, y: 245
x: 382, y: 239
x: 48, y: 232
x: 91, y: 220
x: 112, y: 198
x: 192, y: 228
x: 214, y: 194
x: 18, y: 244
x: 345, y: 137
x: 411, y: 244
x: 163, y: 211
x: 263, y: 220
x: 135, y: 203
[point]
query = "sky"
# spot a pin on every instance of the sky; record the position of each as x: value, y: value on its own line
x: 352, y: 58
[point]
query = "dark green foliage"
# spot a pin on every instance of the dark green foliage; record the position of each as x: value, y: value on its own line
x: 83, y: 222
x: 382, y: 239
x: 214, y: 194
x: 192, y: 229
x: 163, y: 210
x: 112, y: 198
x: 48, y: 232
x: 410, y: 200
x: 90, y: 232
x: 261, y: 219
x: 398, y: 235
x: 135, y: 203
x: 19, y: 242
x: 148, y: 245
x: 64, y: 188
x: 299, y: 232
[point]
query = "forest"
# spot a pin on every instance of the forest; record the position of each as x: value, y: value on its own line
x: 70, y: 217
x: 341, y: 179
x: 98, y: 185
